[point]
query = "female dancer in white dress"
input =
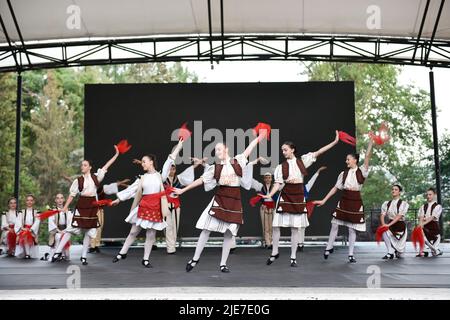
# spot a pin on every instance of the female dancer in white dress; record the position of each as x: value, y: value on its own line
x: 290, y: 210
x: 149, y: 205
x: 350, y: 210
x: 9, y: 218
x: 224, y: 213
x: 85, y: 218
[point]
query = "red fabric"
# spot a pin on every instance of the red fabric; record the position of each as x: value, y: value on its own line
x: 254, y: 200
x: 379, y: 232
x: 25, y: 236
x: 269, y: 204
x: 11, y: 238
x: 417, y: 237
x: 174, y: 200
x: 381, y: 136
x: 150, y: 207
x: 123, y: 146
x: 47, y: 214
x: 346, y: 138
x: 184, y: 132
x: 262, y: 129
x: 310, y: 205
x: 103, y: 203
x: 67, y: 245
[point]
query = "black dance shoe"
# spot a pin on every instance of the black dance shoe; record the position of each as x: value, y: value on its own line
x: 272, y: 259
x: 119, y: 257
x: 146, y: 263
x: 300, y: 247
x: 224, y: 269
x: 351, y: 259
x: 232, y: 250
x: 91, y: 250
x: 45, y: 257
x: 293, y: 263
x: 27, y: 257
x: 327, y: 252
x: 269, y: 247
x: 83, y: 261
x: 56, y: 257
x: 191, y: 264
x: 388, y: 256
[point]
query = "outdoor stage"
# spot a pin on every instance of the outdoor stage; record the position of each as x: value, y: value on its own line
x: 248, y: 270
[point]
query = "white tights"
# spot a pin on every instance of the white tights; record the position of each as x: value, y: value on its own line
x: 150, y: 238
x: 203, y: 239
x: 351, y: 238
x: 295, y: 238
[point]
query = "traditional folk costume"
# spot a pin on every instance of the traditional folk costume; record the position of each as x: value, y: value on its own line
x: 57, y: 225
x: 290, y: 209
x: 149, y: 208
x: 173, y: 219
x: 431, y: 230
x: 395, y: 237
x: 224, y: 212
x: 266, y: 209
x: 102, y: 192
x: 85, y: 219
x: 9, y: 236
x: 27, y: 230
x: 350, y: 210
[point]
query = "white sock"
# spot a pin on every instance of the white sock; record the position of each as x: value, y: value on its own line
x: 130, y: 239
x: 351, y: 240
x: 295, y: 236
x: 227, y: 244
x: 275, y: 240
x: 86, y: 242
x: 64, y: 239
x: 333, y: 234
x: 150, y: 237
x: 202, y: 239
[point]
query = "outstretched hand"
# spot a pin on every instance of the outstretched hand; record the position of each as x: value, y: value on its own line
x: 178, y: 191
x: 319, y: 203
x: 115, y: 203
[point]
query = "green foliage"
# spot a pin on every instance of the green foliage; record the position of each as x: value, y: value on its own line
x: 406, y: 110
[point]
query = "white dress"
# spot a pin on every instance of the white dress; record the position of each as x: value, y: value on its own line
x: 398, y: 244
x: 89, y: 190
x: 351, y: 183
x: 286, y: 219
x: 8, y: 218
x: 151, y: 183
x: 27, y: 217
x: 227, y: 178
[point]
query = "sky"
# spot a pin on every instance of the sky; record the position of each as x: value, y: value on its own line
x: 279, y: 71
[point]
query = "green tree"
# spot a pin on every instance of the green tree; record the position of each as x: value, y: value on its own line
x: 406, y: 110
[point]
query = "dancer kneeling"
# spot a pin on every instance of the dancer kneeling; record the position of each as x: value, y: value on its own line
x: 395, y: 236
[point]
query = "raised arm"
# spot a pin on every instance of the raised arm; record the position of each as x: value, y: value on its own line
x: 368, y: 154
x: 111, y: 161
x: 252, y: 145
x: 328, y: 146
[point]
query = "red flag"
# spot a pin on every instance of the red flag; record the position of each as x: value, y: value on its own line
x: 379, y: 232
x: 184, y: 132
x: 103, y: 203
x: 417, y: 237
x: 123, y: 146
x: 262, y: 129
x: 47, y: 214
x: 346, y: 138
x: 310, y: 205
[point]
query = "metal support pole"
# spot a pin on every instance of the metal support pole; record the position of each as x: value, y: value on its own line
x: 437, y: 167
x: 18, y: 135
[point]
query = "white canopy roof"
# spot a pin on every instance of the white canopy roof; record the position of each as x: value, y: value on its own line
x: 48, y: 19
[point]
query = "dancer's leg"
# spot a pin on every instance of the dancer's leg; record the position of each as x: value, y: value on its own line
x: 227, y: 243
x: 130, y: 238
x: 202, y: 239
x: 150, y: 237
